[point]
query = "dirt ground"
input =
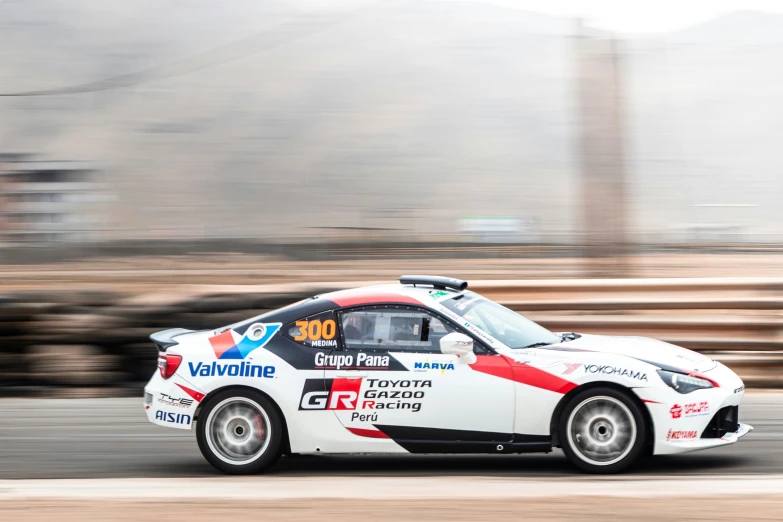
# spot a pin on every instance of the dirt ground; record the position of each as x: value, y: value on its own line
x: 554, y: 509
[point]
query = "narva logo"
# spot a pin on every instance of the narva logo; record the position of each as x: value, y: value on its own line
x: 176, y: 418
x: 427, y: 365
x: 242, y: 369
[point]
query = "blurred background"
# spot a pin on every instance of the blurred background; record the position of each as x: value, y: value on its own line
x: 175, y: 163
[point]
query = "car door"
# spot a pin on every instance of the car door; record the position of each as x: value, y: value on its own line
x: 390, y: 379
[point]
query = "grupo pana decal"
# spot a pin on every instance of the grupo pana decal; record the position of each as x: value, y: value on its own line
x: 361, y: 360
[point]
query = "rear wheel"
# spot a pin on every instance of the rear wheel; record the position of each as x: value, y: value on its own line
x: 239, y: 432
x: 602, y: 430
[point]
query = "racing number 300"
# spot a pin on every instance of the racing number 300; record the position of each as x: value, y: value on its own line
x: 316, y: 330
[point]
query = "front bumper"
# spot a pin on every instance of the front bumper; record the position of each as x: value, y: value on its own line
x: 698, y: 420
x: 742, y: 430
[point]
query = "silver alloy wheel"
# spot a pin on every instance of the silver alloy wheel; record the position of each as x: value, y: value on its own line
x: 601, y: 430
x: 238, y: 431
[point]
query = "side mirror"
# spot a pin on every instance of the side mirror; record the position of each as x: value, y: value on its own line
x: 460, y: 345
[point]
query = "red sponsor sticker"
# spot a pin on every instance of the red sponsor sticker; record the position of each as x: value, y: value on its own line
x: 677, y: 435
x: 697, y: 408
x: 690, y: 410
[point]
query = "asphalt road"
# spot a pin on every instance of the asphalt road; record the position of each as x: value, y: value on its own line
x: 100, y: 438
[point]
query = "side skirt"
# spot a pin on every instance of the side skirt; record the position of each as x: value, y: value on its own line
x: 436, y: 440
x: 424, y: 446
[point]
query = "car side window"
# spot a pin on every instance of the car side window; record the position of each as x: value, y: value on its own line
x: 316, y: 331
x: 397, y: 328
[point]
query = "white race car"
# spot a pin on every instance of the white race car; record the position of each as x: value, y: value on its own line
x: 429, y: 367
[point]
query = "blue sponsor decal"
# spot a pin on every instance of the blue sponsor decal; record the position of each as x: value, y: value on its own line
x: 243, y: 369
x: 175, y: 418
x: 427, y: 365
x: 256, y: 336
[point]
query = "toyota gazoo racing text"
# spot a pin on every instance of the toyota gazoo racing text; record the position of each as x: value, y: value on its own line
x: 426, y: 366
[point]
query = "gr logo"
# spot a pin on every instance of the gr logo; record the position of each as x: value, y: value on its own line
x: 330, y: 394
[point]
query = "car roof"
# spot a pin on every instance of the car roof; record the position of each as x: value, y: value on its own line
x: 416, y: 295
x: 402, y: 294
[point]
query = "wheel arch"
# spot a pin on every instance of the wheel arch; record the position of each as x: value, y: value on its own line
x: 558, y: 411
x: 285, y: 444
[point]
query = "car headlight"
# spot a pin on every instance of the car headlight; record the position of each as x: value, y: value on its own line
x: 684, y: 383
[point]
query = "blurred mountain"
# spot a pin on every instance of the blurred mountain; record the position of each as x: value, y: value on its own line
x: 262, y: 119
x: 738, y: 28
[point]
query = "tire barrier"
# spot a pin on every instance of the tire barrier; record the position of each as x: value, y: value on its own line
x: 70, y: 344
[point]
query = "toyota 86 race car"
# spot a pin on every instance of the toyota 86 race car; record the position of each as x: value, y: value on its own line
x: 427, y: 366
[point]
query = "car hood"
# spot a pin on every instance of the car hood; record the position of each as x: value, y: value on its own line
x: 655, y: 352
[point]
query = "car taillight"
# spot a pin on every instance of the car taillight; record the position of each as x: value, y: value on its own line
x: 168, y: 364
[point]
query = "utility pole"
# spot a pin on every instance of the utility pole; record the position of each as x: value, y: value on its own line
x: 602, y: 161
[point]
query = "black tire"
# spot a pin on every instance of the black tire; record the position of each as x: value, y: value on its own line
x: 215, y: 448
x: 611, y: 410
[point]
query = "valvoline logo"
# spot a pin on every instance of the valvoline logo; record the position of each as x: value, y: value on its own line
x: 226, y: 345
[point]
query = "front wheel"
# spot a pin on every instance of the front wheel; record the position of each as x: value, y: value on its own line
x: 602, y: 430
x: 239, y: 432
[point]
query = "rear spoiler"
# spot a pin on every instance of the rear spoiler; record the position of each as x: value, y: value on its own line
x: 165, y: 338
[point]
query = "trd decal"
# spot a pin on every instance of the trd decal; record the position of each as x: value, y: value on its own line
x: 181, y: 402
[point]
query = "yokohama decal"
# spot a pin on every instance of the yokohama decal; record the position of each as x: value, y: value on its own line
x: 507, y: 368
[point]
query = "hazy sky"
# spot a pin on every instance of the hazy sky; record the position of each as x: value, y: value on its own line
x: 641, y: 15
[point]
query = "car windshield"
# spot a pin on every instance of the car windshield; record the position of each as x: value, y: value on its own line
x: 503, y: 324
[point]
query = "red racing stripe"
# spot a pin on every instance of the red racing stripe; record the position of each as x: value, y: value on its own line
x: 193, y: 393
x: 702, y: 376
x: 355, y: 299
x: 373, y: 434
x: 522, y: 373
